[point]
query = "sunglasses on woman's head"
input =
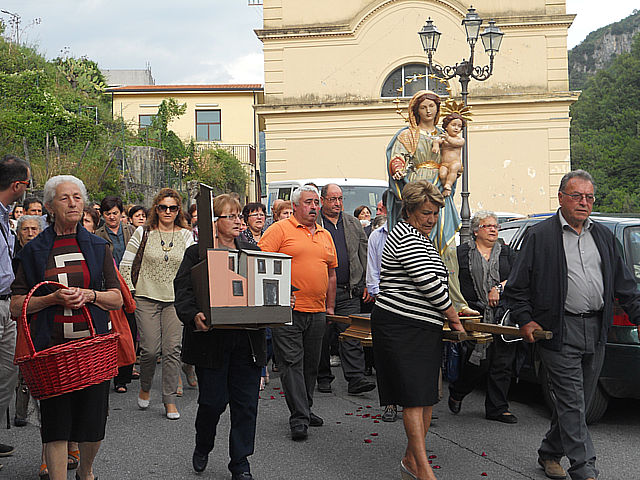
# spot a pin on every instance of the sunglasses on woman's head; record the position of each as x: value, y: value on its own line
x: 171, y: 208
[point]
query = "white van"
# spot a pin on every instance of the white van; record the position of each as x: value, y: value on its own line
x: 355, y: 191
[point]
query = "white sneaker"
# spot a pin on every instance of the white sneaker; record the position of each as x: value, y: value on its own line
x: 334, y: 361
x: 173, y: 415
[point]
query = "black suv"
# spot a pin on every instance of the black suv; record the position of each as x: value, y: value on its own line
x: 620, y: 376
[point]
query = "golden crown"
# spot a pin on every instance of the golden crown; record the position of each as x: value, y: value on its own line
x: 451, y: 106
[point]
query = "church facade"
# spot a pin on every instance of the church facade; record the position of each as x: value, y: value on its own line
x: 335, y: 73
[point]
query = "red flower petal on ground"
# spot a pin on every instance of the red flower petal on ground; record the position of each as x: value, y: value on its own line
x: 436, y: 466
x: 484, y: 474
x: 348, y: 413
x: 368, y: 406
x: 272, y: 397
x: 366, y: 415
x: 374, y: 434
x: 376, y: 421
x: 433, y: 456
x: 367, y: 440
x: 483, y: 454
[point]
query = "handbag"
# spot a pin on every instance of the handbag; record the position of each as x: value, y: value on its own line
x: 137, y: 261
x: 119, y: 323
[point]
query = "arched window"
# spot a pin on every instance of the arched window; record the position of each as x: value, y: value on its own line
x: 401, y: 74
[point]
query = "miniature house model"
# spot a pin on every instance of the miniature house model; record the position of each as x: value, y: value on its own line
x: 239, y: 288
x: 247, y: 288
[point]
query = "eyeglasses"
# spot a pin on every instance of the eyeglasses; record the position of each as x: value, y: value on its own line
x: 24, y: 182
x: 488, y: 226
x: 235, y: 216
x: 171, y: 208
x: 333, y: 199
x: 257, y: 214
x: 576, y: 197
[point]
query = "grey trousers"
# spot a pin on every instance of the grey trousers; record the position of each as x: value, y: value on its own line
x: 160, y: 333
x: 573, y: 372
x: 8, y: 371
x: 297, y: 348
x: 351, y: 352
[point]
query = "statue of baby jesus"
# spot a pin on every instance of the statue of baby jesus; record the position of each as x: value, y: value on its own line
x: 450, y: 146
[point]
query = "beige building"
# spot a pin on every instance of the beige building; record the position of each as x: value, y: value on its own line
x: 331, y: 69
x: 216, y: 114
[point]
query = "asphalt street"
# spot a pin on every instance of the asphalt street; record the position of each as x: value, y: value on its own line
x: 352, y: 444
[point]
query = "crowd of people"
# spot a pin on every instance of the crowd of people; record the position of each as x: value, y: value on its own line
x: 137, y: 261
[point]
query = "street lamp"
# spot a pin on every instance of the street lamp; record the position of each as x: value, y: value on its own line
x: 465, y: 71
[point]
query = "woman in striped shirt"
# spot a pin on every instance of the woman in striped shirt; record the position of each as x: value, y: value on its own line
x: 407, y: 321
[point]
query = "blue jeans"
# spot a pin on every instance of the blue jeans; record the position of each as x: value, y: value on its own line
x: 236, y: 383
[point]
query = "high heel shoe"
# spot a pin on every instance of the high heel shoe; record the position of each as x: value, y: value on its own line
x: 406, y: 474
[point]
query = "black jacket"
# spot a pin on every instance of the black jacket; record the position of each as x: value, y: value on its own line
x: 206, y: 349
x: 537, y: 286
x: 464, y: 273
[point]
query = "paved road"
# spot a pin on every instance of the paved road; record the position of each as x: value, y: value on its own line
x: 145, y: 445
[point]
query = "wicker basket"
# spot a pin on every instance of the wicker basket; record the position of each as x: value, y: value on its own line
x: 71, y: 366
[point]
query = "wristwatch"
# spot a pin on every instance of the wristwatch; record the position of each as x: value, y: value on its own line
x: 500, y: 288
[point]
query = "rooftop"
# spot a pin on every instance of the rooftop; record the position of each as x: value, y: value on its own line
x: 190, y: 88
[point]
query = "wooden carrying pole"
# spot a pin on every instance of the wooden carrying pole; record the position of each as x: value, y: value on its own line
x: 476, y: 326
x: 360, y: 329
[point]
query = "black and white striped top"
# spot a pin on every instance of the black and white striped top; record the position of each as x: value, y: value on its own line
x: 413, y: 279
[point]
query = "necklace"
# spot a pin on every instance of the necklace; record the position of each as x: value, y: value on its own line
x: 166, y: 249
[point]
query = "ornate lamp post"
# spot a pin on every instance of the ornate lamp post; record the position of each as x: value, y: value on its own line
x: 465, y: 71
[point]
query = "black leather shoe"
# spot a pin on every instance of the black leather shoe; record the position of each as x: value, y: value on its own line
x: 299, y: 432
x: 324, y: 387
x: 6, y: 450
x: 199, y: 461
x: 360, y: 386
x: 505, y: 417
x: 242, y: 476
x: 315, y: 420
x: 19, y: 422
x: 368, y: 371
x: 454, y: 405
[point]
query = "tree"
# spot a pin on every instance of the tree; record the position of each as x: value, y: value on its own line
x: 221, y: 170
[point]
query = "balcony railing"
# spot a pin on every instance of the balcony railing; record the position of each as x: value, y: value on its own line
x: 244, y: 153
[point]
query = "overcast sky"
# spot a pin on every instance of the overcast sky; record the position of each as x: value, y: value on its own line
x: 194, y: 41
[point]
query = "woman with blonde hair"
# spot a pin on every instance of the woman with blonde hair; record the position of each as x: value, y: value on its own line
x: 228, y: 362
x: 151, y: 260
x: 407, y: 321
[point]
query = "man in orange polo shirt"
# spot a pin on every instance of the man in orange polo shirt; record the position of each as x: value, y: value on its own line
x: 297, y: 347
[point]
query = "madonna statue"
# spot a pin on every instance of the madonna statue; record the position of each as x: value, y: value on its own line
x: 411, y: 155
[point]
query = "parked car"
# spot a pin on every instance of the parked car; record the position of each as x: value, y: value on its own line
x: 355, y: 191
x: 620, y: 375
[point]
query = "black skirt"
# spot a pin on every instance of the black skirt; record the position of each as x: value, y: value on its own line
x: 408, y: 356
x: 79, y: 416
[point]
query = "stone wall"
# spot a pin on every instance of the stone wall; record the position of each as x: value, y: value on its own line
x: 144, y: 172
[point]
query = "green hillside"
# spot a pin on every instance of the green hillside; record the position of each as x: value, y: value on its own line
x: 55, y: 114
x: 600, y: 49
x: 605, y: 132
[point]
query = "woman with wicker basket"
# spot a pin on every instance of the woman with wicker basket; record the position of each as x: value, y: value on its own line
x: 151, y: 260
x: 68, y: 254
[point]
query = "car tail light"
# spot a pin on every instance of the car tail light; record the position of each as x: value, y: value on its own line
x: 620, y: 318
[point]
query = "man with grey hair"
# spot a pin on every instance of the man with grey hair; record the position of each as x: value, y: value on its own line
x: 565, y: 279
x: 313, y: 264
x: 15, y: 178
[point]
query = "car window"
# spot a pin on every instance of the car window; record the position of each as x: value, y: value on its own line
x: 506, y: 234
x: 284, y: 193
x: 632, y: 251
